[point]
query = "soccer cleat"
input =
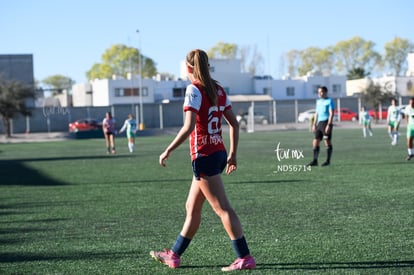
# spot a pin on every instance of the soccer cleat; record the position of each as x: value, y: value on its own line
x: 247, y: 262
x: 409, y: 157
x: 326, y: 163
x: 167, y: 257
x: 313, y: 163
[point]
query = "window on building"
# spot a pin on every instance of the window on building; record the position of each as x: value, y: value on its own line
x: 178, y: 92
x: 290, y: 91
x: 267, y: 90
x: 336, y: 88
x: 123, y: 92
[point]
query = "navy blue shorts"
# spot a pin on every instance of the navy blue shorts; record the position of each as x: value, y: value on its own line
x: 210, y: 165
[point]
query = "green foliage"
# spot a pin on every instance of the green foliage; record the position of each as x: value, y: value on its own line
x: 59, y: 83
x: 68, y: 208
x: 223, y: 51
x: 349, y: 55
x: 375, y: 94
x: 396, y: 52
x: 13, y: 98
x: 120, y: 60
x: 355, y: 53
x: 251, y: 59
x: 357, y: 73
x: 315, y: 60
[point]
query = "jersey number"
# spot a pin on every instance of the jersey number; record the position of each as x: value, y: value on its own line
x: 214, y: 119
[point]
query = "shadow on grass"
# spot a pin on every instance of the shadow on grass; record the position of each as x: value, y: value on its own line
x: 15, y: 172
x: 263, y: 181
x: 322, y: 266
x: 337, y: 265
x: 67, y: 158
x: 29, y: 257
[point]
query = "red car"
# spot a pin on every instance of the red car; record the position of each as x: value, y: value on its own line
x: 375, y: 114
x: 85, y: 124
x: 345, y: 115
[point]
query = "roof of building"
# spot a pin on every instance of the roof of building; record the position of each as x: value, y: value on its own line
x: 249, y: 98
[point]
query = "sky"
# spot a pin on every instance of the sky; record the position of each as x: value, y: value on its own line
x: 68, y: 37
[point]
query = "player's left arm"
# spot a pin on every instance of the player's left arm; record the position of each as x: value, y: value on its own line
x: 330, y: 117
x: 234, y: 140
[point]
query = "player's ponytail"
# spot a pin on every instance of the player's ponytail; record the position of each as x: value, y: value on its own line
x: 198, y: 60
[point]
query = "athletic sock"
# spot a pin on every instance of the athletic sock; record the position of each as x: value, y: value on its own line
x: 410, y: 151
x: 240, y: 247
x: 364, y: 132
x: 329, y: 153
x: 180, y: 245
x: 316, y: 152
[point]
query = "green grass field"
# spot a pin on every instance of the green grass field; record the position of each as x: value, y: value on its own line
x: 68, y: 208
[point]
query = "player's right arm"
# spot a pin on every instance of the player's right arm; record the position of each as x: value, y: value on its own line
x: 183, y: 134
x: 124, y: 126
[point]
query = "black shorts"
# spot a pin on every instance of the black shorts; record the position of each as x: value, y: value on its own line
x: 210, y: 165
x: 320, y: 131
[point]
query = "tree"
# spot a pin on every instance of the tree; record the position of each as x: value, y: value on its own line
x: 58, y: 83
x: 375, y: 94
x: 355, y: 53
x: 308, y: 58
x: 13, y: 98
x: 223, y: 51
x: 120, y: 60
x: 251, y: 60
x: 293, y: 61
x: 396, y: 52
x: 357, y: 73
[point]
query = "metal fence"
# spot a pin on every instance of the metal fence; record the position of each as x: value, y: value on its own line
x: 158, y: 116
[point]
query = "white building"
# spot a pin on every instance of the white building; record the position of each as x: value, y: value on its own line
x: 118, y: 90
x: 399, y: 85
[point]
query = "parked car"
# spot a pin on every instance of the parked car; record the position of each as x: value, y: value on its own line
x: 85, y: 124
x: 375, y: 114
x: 259, y: 118
x: 345, y: 114
x: 306, y: 116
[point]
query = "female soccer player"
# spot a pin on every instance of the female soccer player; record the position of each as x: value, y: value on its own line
x: 108, y: 127
x: 409, y: 118
x: 393, y: 121
x: 130, y: 125
x: 365, y: 120
x: 205, y: 104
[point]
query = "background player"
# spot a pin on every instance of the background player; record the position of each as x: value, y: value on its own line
x: 130, y: 125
